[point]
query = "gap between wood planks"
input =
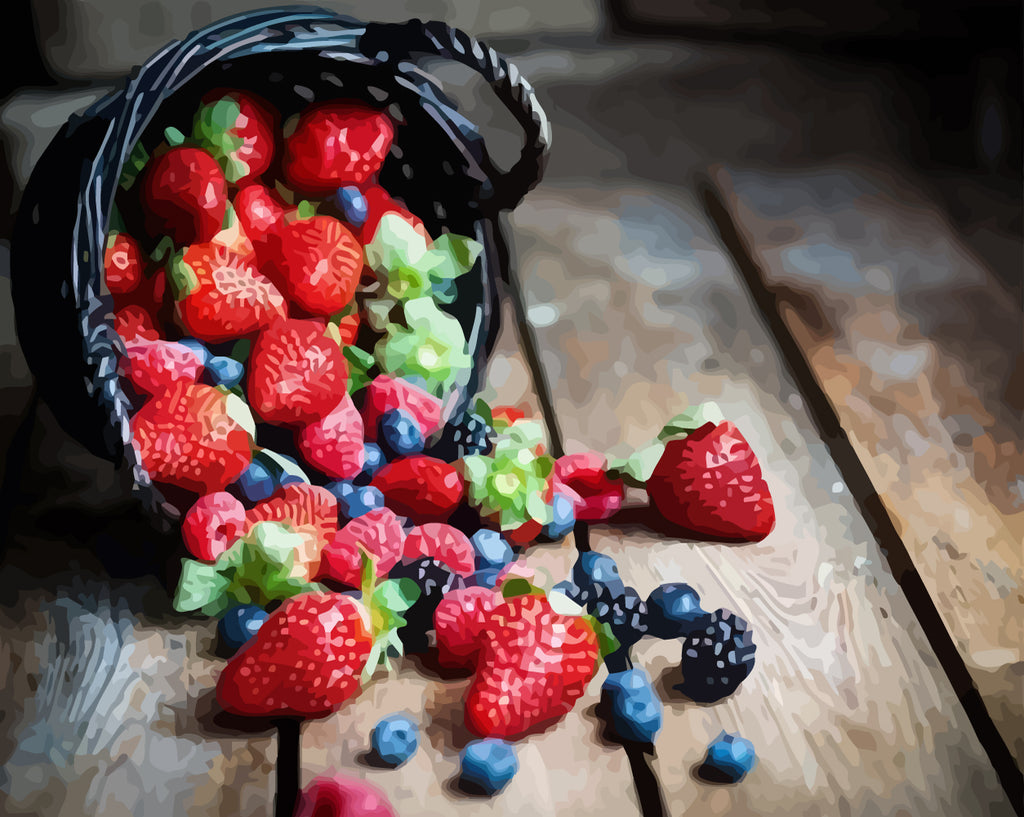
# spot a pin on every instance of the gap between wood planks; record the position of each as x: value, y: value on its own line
x: 870, y: 505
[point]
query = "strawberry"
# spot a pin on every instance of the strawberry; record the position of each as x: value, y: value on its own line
x: 459, y: 620
x: 586, y: 476
x: 212, y: 525
x: 134, y: 322
x: 378, y: 204
x: 260, y: 211
x: 308, y: 509
x: 335, y: 144
x: 334, y: 444
x: 385, y: 393
x: 532, y: 668
x: 340, y: 561
x: 184, y: 195
x: 122, y: 263
x: 317, y: 261
x: 305, y: 661
x: 443, y: 542
x: 186, y: 437
x: 379, y: 532
x: 153, y: 366
x: 423, y: 488
x: 237, y: 128
x: 296, y: 374
x: 220, y: 295
x: 709, y: 483
x: 340, y: 796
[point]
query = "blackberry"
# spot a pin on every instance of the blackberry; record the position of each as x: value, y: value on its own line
x: 471, y: 435
x: 717, y: 659
x: 625, y: 612
x: 581, y: 595
x: 433, y: 579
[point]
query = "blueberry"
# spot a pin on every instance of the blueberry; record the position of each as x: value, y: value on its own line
x: 489, y: 765
x: 199, y: 348
x: 400, y: 434
x: 674, y: 611
x: 373, y: 461
x: 633, y: 706
x: 395, y: 739
x: 729, y: 759
x: 352, y: 203
x: 485, y: 577
x: 224, y: 371
x: 596, y: 570
x: 491, y: 549
x: 257, y: 482
x: 565, y: 517
x: 355, y: 500
x: 239, y: 624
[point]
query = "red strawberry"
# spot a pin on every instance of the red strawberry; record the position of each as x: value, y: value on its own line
x: 184, y: 195
x: 710, y: 483
x: 348, y: 328
x: 378, y: 204
x: 459, y: 621
x: 385, y: 393
x: 185, y: 437
x: 334, y: 444
x: 586, y: 475
x: 444, y: 543
x: 304, y: 662
x: 379, y: 532
x: 237, y: 129
x: 221, y: 295
x: 533, y: 666
x: 340, y: 796
x: 341, y: 562
x: 260, y: 211
x: 423, y: 488
x: 212, y: 525
x: 153, y: 366
x: 318, y: 262
x: 296, y: 374
x: 335, y: 144
x: 122, y: 263
x: 309, y: 510
x: 134, y: 322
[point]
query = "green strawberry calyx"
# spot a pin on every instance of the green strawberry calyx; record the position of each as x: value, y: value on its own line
x: 386, y: 601
x: 690, y: 420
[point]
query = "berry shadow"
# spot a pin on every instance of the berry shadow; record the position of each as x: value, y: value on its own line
x: 371, y: 760
x: 704, y: 773
x: 213, y: 722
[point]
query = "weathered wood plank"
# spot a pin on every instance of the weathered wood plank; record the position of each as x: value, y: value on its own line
x: 638, y: 313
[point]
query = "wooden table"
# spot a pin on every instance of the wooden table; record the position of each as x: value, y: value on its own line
x: 634, y: 296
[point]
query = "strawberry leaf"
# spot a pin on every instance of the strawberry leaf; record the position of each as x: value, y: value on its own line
x: 360, y: 366
x: 238, y: 410
x: 483, y: 410
x: 607, y: 643
x: 240, y: 351
x: 174, y: 137
x: 396, y: 595
x: 200, y: 585
x: 286, y: 464
x: 637, y: 469
x: 305, y: 210
x: 690, y: 420
x: 517, y: 587
x: 564, y: 605
x: 182, y: 277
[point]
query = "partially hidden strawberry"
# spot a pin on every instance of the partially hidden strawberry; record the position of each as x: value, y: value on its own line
x: 184, y: 195
x: 443, y: 542
x: 153, y: 366
x: 122, y: 263
x: 423, y: 488
x: 533, y: 666
x: 187, y: 437
x: 709, y: 483
x: 134, y: 321
x: 260, y: 211
x: 310, y: 510
x: 306, y: 660
x: 212, y: 525
x: 378, y: 204
x: 335, y: 144
x: 297, y: 374
x: 379, y: 532
x: 385, y: 393
x: 237, y: 128
x: 340, y: 796
x: 317, y: 262
x: 459, y: 622
x: 596, y: 495
x: 221, y: 295
x: 334, y: 444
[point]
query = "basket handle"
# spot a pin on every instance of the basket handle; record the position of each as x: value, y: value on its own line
x: 415, y: 39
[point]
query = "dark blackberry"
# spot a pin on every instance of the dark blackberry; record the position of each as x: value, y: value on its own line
x: 717, y: 659
x: 581, y: 595
x: 433, y: 579
x: 625, y: 612
x: 471, y: 435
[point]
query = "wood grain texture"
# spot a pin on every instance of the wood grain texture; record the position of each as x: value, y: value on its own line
x: 916, y: 344
x: 638, y: 314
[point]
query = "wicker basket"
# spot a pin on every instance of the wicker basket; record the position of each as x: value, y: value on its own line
x: 291, y: 57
